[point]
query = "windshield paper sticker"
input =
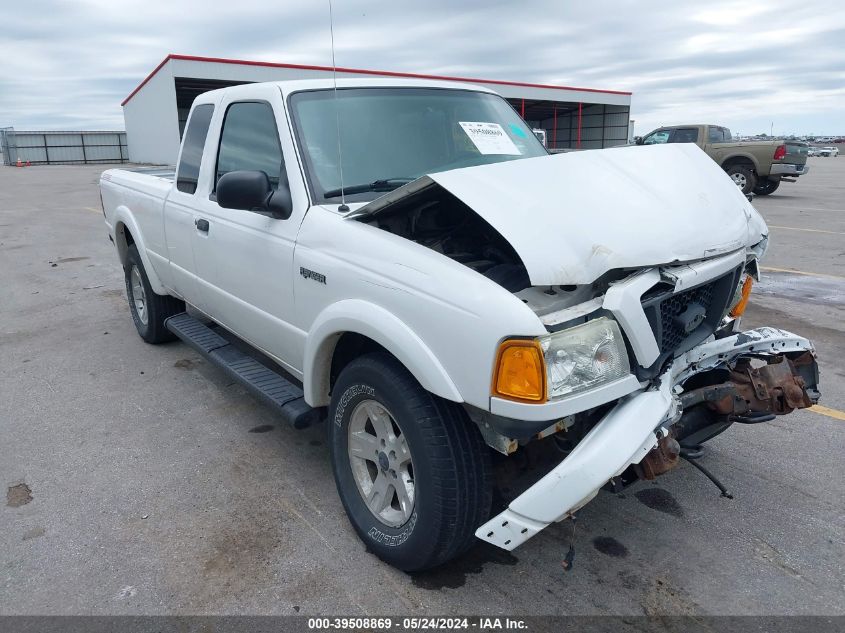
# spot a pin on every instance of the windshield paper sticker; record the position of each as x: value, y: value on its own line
x: 489, y: 138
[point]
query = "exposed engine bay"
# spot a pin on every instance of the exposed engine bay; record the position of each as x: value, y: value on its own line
x: 438, y: 220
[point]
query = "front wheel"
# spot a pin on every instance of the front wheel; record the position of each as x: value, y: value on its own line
x: 766, y: 186
x: 743, y: 177
x: 412, y: 471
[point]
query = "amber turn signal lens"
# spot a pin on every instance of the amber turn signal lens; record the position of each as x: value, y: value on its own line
x: 520, y: 371
x: 739, y: 308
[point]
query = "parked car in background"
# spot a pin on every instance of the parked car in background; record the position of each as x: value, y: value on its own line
x: 755, y: 166
x: 828, y: 151
x: 812, y: 150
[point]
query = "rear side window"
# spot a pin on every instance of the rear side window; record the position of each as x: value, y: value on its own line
x: 715, y: 135
x: 250, y: 141
x: 189, y: 164
x: 685, y: 135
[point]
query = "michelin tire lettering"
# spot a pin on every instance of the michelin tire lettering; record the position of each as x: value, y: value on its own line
x: 350, y: 393
x: 396, y: 539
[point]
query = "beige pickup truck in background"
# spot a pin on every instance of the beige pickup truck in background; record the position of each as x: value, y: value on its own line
x: 755, y: 166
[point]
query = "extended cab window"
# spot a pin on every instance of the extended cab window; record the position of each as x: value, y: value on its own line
x: 189, y: 163
x: 685, y: 135
x: 250, y: 141
x: 715, y: 134
x: 660, y: 136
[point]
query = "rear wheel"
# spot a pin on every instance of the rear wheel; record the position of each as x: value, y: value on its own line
x: 766, y: 186
x: 743, y: 177
x: 413, y: 473
x: 148, y: 309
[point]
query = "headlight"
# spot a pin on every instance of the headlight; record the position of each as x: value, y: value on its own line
x: 560, y: 364
x: 584, y: 357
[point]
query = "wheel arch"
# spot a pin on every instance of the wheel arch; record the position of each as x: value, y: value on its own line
x: 741, y: 159
x: 351, y: 327
x: 126, y: 233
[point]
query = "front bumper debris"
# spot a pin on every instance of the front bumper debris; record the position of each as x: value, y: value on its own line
x: 641, y: 422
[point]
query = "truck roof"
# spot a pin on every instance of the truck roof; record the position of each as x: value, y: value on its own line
x: 669, y: 127
x: 295, y: 85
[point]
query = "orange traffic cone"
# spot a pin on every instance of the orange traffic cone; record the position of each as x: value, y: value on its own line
x: 19, y: 163
x: 28, y: 164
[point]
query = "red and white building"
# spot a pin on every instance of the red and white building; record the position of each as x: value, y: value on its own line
x: 155, y: 112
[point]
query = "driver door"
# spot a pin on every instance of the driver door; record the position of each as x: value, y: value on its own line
x: 244, y: 258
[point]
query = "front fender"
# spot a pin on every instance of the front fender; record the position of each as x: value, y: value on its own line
x: 376, y: 323
x: 124, y: 220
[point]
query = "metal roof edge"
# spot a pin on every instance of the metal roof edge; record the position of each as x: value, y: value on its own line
x: 360, y: 71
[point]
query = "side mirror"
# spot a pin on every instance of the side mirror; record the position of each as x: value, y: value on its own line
x: 638, y: 140
x: 252, y: 191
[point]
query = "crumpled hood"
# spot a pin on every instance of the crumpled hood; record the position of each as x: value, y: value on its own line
x: 573, y: 217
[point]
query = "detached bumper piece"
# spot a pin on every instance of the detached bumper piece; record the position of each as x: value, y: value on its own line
x: 755, y: 375
x: 273, y: 388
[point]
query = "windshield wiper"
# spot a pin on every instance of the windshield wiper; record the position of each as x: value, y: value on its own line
x: 388, y: 184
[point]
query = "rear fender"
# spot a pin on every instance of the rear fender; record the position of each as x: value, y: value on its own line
x: 124, y: 221
x: 741, y: 157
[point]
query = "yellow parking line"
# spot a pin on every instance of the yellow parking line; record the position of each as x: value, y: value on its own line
x: 95, y: 210
x: 831, y: 413
x: 795, y: 228
x: 770, y: 269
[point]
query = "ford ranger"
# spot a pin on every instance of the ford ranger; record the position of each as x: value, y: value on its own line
x: 404, y: 262
x: 755, y: 166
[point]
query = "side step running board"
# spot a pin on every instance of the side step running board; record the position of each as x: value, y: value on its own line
x: 273, y: 388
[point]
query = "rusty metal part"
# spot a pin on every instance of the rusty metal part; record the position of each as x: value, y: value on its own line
x: 713, y: 395
x: 659, y: 460
x: 557, y: 427
x: 757, y: 386
x: 775, y: 387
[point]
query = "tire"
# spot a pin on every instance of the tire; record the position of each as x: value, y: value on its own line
x: 445, y: 471
x: 743, y: 177
x: 766, y: 186
x: 148, y: 309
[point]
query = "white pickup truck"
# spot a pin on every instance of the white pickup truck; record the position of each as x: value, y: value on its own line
x: 404, y: 260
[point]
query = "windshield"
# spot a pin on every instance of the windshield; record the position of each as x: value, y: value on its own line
x: 390, y: 136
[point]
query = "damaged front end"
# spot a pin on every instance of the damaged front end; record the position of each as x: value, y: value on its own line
x: 746, y: 378
x: 640, y: 292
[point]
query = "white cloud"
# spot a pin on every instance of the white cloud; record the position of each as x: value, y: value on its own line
x: 741, y: 64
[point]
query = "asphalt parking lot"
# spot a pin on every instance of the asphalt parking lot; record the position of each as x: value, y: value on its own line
x: 141, y: 481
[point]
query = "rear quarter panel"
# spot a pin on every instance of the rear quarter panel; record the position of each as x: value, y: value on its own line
x: 759, y: 153
x: 134, y: 201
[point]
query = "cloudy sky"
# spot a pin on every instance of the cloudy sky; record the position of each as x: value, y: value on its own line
x: 67, y: 64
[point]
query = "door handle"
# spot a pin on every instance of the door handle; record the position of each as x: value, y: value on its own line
x: 202, y: 225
